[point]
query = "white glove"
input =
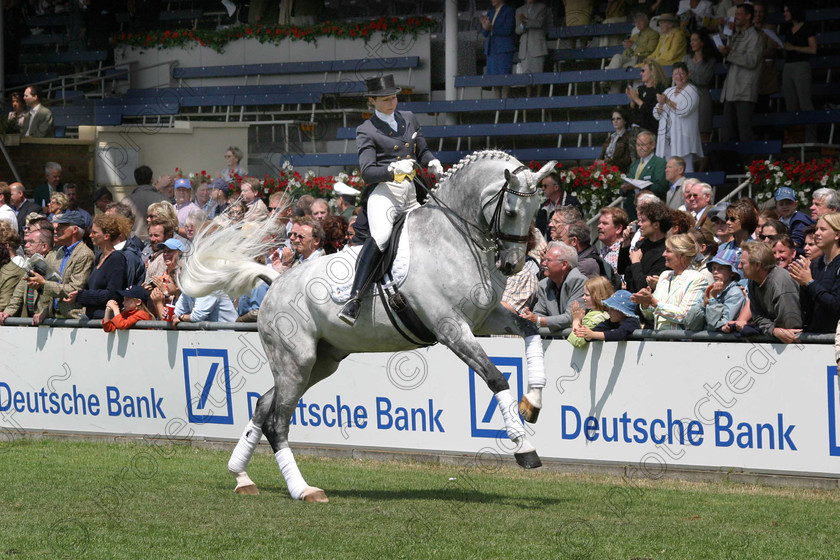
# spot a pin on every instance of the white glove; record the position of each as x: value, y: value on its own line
x: 401, y: 167
x: 435, y: 167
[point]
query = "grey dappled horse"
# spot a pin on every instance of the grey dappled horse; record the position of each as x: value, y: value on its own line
x: 463, y: 243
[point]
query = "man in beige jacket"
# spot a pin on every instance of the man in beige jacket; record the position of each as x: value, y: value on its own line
x: 74, y: 261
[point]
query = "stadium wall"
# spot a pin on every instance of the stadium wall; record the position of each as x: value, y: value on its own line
x: 652, y: 406
x: 192, y: 146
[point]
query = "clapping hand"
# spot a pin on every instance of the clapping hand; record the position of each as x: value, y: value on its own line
x: 643, y: 297
x: 800, y: 270
x: 577, y: 312
x: 583, y: 332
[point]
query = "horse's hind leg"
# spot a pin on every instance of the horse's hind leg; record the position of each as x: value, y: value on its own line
x: 505, y: 321
x: 248, y: 441
x: 276, y: 427
x: 462, y: 342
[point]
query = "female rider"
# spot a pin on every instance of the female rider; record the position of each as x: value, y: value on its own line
x: 389, y: 145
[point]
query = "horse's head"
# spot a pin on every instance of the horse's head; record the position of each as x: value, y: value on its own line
x: 509, y: 209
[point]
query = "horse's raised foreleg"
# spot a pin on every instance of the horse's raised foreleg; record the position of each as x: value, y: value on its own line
x: 248, y: 441
x: 462, y: 342
x: 505, y: 321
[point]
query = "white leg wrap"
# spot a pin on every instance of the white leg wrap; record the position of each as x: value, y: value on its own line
x: 242, y: 479
x: 244, y: 449
x: 536, y: 362
x: 510, y: 412
x: 289, y: 468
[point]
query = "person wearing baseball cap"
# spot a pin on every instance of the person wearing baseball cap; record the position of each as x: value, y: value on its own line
x: 219, y: 193
x: 134, y: 309
x: 797, y: 222
x: 184, y: 205
x: 74, y: 262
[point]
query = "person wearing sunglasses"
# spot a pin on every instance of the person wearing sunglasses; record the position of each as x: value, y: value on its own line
x: 307, y: 240
x: 741, y: 220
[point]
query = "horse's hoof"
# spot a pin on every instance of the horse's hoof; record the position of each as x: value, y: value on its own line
x: 528, y: 411
x: 529, y: 460
x: 247, y: 490
x: 315, y: 495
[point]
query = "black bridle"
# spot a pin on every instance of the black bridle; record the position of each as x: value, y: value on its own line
x: 496, y: 235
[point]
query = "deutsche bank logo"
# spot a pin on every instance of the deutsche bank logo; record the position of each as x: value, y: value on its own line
x: 833, y: 420
x: 207, y: 379
x: 485, y: 417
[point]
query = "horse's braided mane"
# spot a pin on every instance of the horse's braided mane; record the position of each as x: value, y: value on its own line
x: 485, y: 154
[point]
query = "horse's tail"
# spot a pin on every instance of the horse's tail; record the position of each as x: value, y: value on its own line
x: 224, y: 258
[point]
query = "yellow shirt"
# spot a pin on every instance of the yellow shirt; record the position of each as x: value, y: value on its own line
x: 671, y: 48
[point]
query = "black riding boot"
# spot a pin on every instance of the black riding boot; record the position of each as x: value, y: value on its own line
x: 368, y: 262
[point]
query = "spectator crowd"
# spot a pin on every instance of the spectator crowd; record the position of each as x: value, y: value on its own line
x: 121, y: 265
x: 682, y: 263
x: 689, y: 36
x: 671, y: 260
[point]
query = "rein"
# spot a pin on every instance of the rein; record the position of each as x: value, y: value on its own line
x: 496, y: 236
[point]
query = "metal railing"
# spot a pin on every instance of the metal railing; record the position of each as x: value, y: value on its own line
x: 640, y: 334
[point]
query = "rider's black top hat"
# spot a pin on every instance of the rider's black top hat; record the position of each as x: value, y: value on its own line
x: 381, y: 86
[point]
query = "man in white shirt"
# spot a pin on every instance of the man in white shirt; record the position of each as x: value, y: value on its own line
x: 6, y: 213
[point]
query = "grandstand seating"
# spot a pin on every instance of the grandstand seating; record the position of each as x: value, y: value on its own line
x: 286, y: 68
x: 580, y: 118
x: 180, y: 16
x: 41, y: 39
x: 67, y: 57
x: 596, y: 30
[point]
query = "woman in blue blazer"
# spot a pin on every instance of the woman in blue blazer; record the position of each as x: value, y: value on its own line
x: 498, y: 26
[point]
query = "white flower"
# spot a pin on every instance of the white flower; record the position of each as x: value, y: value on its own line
x: 824, y: 180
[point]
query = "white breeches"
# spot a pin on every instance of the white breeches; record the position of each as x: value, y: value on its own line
x: 387, y: 201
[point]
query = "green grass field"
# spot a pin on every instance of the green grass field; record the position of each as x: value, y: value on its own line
x: 64, y: 499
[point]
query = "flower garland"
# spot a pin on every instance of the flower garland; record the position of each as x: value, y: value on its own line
x: 595, y: 186
x: 803, y: 177
x: 288, y: 179
x: 393, y: 30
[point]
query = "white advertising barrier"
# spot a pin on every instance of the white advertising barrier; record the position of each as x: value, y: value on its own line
x: 753, y: 407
